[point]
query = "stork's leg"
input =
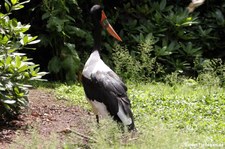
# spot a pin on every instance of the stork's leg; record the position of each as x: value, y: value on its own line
x: 97, y: 119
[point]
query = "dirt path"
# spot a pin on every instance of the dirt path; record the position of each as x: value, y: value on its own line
x: 47, y: 116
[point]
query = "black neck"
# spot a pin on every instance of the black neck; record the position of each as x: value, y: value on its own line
x: 97, y: 36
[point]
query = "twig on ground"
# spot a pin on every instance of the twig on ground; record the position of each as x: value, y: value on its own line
x: 85, y: 136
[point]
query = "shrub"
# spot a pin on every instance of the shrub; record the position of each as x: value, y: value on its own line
x: 61, y: 31
x: 181, y: 38
x: 139, y: 65
x: 15, y: 67
x: 213, y: 70
x: 125, y: 64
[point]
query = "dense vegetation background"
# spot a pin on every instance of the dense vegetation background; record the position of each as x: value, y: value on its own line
x: 159, y: 37
x: 172, y: 59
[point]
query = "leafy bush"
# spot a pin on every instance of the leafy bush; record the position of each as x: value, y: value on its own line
x: 138, y: 65
x: 125, y: 65
x: 211, y: 32
x: 174, y: 29
x: 60, y: 19
x: 15, y: 67
x: 181, y: 38
x: 213, y: 70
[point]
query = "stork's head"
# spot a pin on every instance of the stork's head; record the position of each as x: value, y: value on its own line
x: 99, y: 17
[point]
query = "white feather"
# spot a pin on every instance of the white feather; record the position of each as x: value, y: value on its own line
x: 101, y: 66
x: 123, y: 117
x: 99, y: 108
x: 94, y: 64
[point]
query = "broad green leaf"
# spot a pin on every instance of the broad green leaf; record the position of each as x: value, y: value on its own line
x: 32, y: 38
x: 17, y: 7
x: 188, y: 23
x: 27, y: 86
x: 25, y: 40
x: 18, y: 61
x: 42, y: 73
x: 23, y: 101
x: 5, y: 40
x: 23, y: 68
x: 24, y: 2
x: 2, y: 88
x: 219, y: 16
x: 68, y: 63
x: 70, y: 46
x: 36, y: 78
x: 1, y: 14
x: 26, y: 74
x: 37, y: 70
x: 7, y: 6
x: 54, y: 65
x: 14, y: 22
x: 14, y: 1
x: 34, y: 42
x: 16, y: 90
x: 70, y: 18
x: 9, y: 101
x: 21, y: 28
x: 162, y: 4
x: 74, y: 2
x: 189, y: 19
x: 8, y: 60
x: 45, y: 16
x: 21, y: 95
x: 71, y: 63
x: 19, y: 54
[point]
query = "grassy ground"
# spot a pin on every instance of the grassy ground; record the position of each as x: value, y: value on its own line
x: 187, y: 114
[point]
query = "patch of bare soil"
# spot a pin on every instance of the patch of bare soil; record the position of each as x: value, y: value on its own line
x: 46, y: 115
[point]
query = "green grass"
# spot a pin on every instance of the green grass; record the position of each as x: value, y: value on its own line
x: 167, y: 116
x: 189, y: 114
x: 187, y: 107
x: 36, y: 141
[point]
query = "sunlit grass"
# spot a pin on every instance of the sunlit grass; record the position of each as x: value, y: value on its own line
x: 73, y: 93
x: 167, y: 116
x: 34, y: 140
x: 187, y: 107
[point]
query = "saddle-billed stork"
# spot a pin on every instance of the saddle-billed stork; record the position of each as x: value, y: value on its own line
x: 103, y: 88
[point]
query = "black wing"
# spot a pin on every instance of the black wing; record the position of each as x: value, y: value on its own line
x: 113, y: 90
x: 108, y: 88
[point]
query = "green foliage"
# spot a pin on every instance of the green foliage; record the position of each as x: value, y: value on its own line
x: 125, y: 65
x: 211, y: 32
x: 15, y: 67
x: 213, y: 70
x: 139, y: 65
x: 181, y: 38
x: 61, y: 18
